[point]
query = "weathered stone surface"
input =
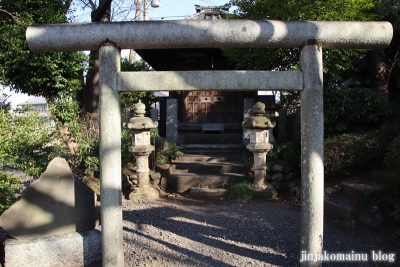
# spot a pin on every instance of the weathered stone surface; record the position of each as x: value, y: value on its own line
x: 247, y: 113
x: 287, y: 169
x: 269, y: 193
x: 372, y: 217
x: 156, y: 182
x: 164, y: 183
x: 72, y: 249
x: 149, y: 192
x: 277, y: 168
x: 288, y: 176
x: 268, y: 169
x: 276, y: 185
x: 277, y: 177
x: 154, y: 175
x: 172, y: 120
x: 57, y: 203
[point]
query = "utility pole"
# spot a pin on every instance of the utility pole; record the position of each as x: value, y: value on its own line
x: 138, y: 4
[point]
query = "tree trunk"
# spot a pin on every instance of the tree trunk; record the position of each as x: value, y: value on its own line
x: 67, y: 138
x: 379, y: 72
x: 91, y: 90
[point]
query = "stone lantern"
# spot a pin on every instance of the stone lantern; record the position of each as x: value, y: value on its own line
x: 259, y: 125
x: 141, y: 148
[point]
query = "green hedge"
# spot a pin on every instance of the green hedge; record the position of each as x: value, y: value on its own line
x: 346, y: 151
x: 353, y: 110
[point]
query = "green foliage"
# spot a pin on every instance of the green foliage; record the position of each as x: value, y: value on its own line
x: 335, y: 61
x: 4, y: 103
x: 352, y: 109
x: 27, y: 141
x: 247, y: 158
x: 166, y: 151
x: 65, y: 110
x: 240, y: 189
x: 289, y: 153
x: 85, y: 131
x: 392, y: 157
x: 9, y: 184
x: 129, y: 99
x: 345, y: 152
x: 126, y: 142
x: 45, y: 74
x: 290, y: 101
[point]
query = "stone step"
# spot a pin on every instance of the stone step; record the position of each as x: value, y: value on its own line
x: 207, y: 167
x: 185, y: 181
x: 212, y: 148
x: 207, y: 192
x: 338, y: 205
x: 385, y: 177
x: 213, y: 138
x: 356, y: 189
x: 209, y: 157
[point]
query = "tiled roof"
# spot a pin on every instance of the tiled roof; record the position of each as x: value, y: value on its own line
x: 209, y: 12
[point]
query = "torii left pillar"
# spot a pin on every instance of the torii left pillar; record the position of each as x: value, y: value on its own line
x: 110, y: 157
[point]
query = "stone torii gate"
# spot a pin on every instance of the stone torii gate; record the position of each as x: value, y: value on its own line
x: 310, y: 36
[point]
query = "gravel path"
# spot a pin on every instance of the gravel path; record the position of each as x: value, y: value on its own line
x: 210, y: 232
x: 182, y: 232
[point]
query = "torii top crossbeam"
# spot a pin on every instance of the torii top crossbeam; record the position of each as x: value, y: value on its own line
x: 209, y: 33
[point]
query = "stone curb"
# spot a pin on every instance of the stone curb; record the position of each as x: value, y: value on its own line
x: 207, y: 192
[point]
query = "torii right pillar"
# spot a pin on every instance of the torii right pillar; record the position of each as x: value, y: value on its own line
x: 312, y: 152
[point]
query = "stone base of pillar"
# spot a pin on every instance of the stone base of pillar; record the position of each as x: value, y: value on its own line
x: 149, y: 192
x: 72, y: 249
x: 259, y: 178
x: 269, y: 193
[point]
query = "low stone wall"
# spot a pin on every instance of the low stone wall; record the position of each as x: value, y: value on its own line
x: 280, y: 176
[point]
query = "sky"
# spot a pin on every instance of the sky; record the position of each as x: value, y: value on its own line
x: 179, y: 9
x: 168, y: 10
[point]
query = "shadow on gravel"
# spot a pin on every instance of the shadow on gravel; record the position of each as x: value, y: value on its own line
x: 256, y: 233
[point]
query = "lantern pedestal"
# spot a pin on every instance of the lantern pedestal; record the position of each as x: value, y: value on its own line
x: 259, y: 126
x: 141, y: 148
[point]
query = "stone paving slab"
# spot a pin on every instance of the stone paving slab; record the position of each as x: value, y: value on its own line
x: 355, y: 189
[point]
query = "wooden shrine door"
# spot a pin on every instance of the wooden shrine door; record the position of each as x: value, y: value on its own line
x: 213, y: 107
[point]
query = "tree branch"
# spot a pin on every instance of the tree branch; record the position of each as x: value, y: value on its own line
x: 14, y: 17
x: 92, y: 4
x: 101, y: 10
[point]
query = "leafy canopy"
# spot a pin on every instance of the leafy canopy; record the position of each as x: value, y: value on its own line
x: 335, y: 61
x: 51, y: 75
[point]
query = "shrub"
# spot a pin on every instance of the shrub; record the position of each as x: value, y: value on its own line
x: 240, y: 189
x: 85, y: 133
x: 27, y: 141
x: 126, y: 142
x: 392, y: 157
x: 166, y: 151
x: 247, y: 158
x: 346, y: 151
x: 288, y: 152
x: 352, y: 110
x: 9, y: 184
